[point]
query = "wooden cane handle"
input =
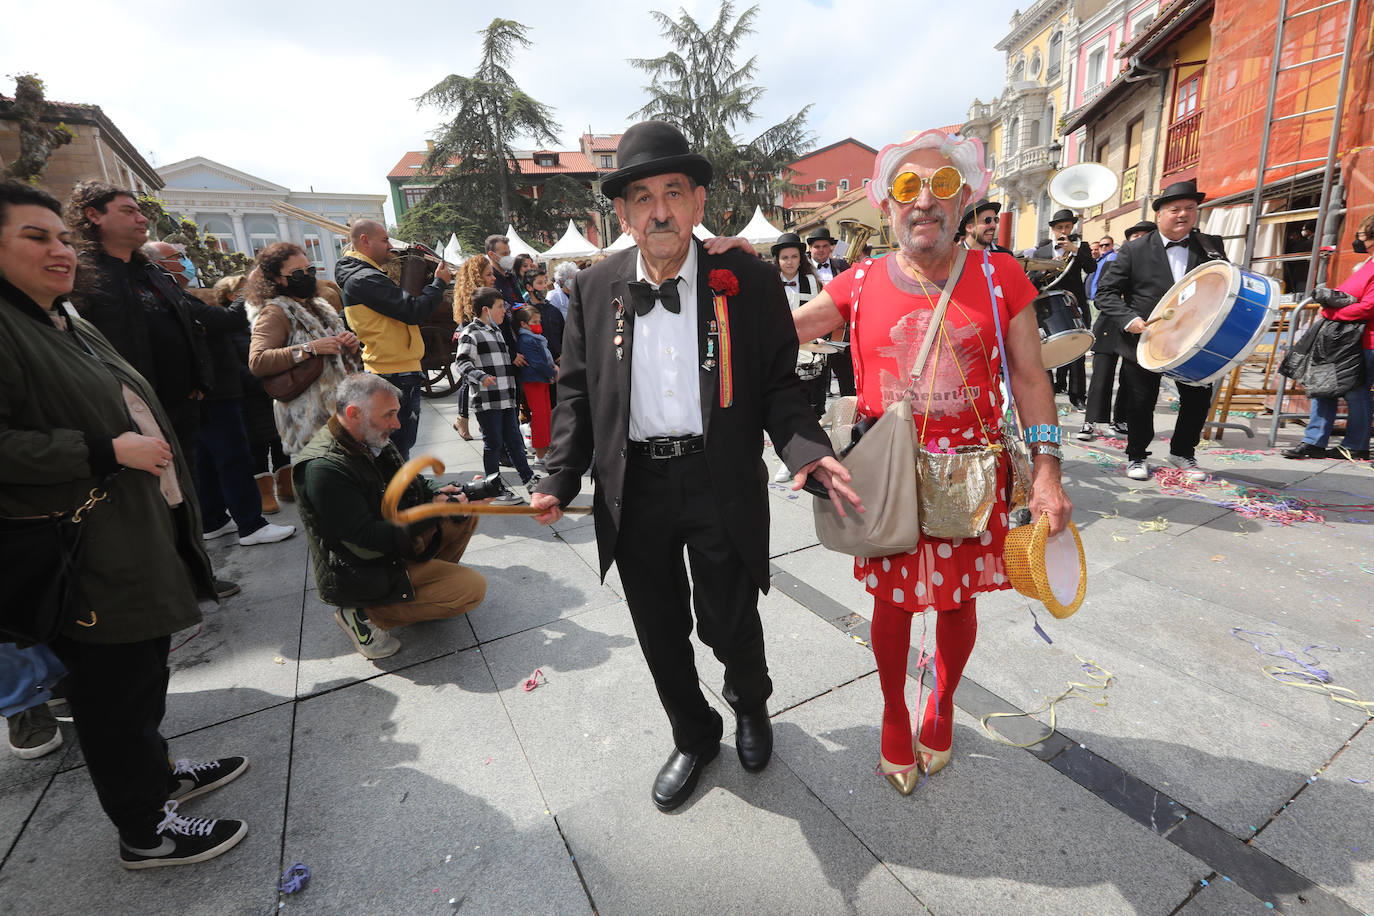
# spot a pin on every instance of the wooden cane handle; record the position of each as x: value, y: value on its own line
x: 391, y: 499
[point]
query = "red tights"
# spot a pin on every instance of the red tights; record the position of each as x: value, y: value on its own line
x: 955, y: 633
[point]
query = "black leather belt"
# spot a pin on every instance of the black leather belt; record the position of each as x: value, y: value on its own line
x: 669, y: 448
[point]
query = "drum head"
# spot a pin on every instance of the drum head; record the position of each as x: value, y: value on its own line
x: 1062, y: 349
x: 1198, y: 301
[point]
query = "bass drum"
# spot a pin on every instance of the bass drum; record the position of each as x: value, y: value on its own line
x: 1064, y: 335
x: 1208, y: 323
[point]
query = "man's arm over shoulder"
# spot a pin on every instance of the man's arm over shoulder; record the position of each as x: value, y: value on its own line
x: 376, y: 290
x: 345, y: 515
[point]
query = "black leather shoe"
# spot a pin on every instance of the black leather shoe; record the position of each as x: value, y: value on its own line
x: 677, y: 779
x: 1305, y: 450
x: 754, y: 740
x: 1359, y: 454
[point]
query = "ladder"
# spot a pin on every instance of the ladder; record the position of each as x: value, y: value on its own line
x: 1292, y: 324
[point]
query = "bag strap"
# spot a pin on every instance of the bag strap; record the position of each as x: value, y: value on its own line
x: 1001, y: 344
x: 933, y: 330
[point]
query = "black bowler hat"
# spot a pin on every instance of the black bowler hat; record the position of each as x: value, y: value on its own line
x: 788, y: 240
x: 1063, y: 216
x: 1143, y: 226
x: 654, y: 148
x: 1179, y: 190
x: 979, y: 207
x: 821, y: 235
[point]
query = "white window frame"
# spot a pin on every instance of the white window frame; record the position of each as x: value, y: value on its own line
x: 1146, y: 13
x: 844, y: 184
x: 1088, y: 85
x: 820, y: 184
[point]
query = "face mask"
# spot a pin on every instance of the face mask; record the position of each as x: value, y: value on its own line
x: 189, y: 268
x: 302, y: 287
x: 537, y: 328
x: 507, y: 262
x: 1359, y: 246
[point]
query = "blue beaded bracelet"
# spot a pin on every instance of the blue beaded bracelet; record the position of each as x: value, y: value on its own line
x: 1044, y: 432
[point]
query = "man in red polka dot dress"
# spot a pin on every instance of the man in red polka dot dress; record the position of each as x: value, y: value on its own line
x: 922, y: 185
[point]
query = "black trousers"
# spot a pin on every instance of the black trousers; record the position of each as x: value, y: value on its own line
x: 1101, y: 408
x: 842, y: 364
x: 118, y: 694
x: 1073, y: 378
x: 667, y: 507
x: 1193, y: 406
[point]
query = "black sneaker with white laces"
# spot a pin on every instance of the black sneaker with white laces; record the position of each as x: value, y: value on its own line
x: 198, y: 778
x: 184, y: 841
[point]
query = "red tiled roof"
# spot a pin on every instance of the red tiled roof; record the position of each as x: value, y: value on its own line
x: 568, y: 161
x: 409, y: 166
x: 601, y: 143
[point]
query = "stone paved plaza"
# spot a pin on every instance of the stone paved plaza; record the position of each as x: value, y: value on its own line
x: 432, y: 782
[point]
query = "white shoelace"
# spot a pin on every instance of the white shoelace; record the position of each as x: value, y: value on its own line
x: 187, y: 768
x: 186, y: 826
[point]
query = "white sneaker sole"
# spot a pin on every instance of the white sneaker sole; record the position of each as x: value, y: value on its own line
x: 269, y: 534
x: 227, y: 528
x: 212, y: 786
x: 42, y: 750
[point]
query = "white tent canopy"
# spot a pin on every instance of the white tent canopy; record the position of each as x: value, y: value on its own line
x: 760, y: 231
x: 453, y: 252
x: 701, y: 232
x: 519, y: 245
x: 573, y: 244
x: 620, y: 244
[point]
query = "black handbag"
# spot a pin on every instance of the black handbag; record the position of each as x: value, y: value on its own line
x: 40, y: 590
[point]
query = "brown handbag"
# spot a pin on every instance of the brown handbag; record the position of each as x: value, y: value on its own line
x: 291, y: 384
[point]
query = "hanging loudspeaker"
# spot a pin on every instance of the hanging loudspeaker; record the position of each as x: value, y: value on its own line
x: 1084, y: 185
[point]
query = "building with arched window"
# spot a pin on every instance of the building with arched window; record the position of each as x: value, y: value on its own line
x: 235, y: 210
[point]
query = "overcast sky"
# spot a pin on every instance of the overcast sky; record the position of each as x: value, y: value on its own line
x: 322, y: 94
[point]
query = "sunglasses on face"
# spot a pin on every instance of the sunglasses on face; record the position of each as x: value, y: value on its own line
x: 944, y: 184
x: 300, y: 273
x: 988, y: 220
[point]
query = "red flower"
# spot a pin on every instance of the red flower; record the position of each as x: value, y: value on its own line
x: 724, y: 282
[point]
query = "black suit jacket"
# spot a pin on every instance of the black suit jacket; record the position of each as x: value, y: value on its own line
x: 591, y: 421
x: 1133, y: 284
x: 1073, y: 281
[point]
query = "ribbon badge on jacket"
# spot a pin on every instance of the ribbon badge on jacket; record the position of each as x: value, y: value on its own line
x: 723, y: 283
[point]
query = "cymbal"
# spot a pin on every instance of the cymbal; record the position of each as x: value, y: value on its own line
x: 816, y: 346
x: 1042, y: 263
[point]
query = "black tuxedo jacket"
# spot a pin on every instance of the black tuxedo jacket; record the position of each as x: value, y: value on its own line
x: 591, y: 420
x: 1133, y: 284
x: 1073, y: 282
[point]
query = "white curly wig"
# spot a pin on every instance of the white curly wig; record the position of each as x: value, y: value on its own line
x: 964, y: 153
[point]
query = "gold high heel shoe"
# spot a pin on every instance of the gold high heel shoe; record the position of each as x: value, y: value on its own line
x: 931, y: 761
x: 903, y: 777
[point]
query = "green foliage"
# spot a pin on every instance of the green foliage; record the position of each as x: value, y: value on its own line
x: 211, y: 263
x: 487, y: 112
x: 560, y: 199
x: 37, y: 140
x: 698, y: 86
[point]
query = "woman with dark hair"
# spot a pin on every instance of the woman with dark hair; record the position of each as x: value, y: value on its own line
x: 259, y: 422
x: 76, y: 417
x: 800, y: 283
x: 291, y: 324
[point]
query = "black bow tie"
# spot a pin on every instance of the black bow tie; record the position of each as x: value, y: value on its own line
x: 824, y: 265
x: 643, y: 295
x: 790, y: 284
x: 1181, y: 243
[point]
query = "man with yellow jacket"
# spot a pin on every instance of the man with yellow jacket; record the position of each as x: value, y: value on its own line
x: 387, y: 319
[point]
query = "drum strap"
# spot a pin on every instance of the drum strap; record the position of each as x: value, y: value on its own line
x: 1208, y: 247
x: 1001, y: 344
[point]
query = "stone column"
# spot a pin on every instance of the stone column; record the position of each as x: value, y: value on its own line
x: 283, y: 228
x: 240, y: 233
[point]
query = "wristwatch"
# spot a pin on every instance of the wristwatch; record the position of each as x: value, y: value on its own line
x: 1044, y: 448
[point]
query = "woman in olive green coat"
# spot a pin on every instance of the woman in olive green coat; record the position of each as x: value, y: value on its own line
x: 75, y: 416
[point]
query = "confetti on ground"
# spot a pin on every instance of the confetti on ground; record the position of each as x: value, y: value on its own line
x: 1101, y: 680
x: 1160, y: 523
x: 278, y: 659
x: 1358, y: 782
x: 1219, y: 558
x: 1249, y: 502
x: 294, y: 878
x: 1119, y: 538
x: 534, y: 680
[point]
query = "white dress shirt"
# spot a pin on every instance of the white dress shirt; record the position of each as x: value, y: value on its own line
x: 826, y: 273
x: 795, y: 297
x: 1178, y: 257
x: 665, y: 389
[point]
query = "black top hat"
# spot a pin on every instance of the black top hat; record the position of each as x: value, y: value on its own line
x: 1061, y: 216
x: 788, y: 240
x: 821, y: 235
x: 1143, y: 226
x: 1179, y: 190
x: 654, y: 148
x: 979, y: 207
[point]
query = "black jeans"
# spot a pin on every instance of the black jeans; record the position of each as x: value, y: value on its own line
x: 118, y: 694
x: 664, y: 512
x: 224, y: 470
x: 1193, y: 406
x: 1101, y: 409
x: 501, y: 429
x: 410, y: 384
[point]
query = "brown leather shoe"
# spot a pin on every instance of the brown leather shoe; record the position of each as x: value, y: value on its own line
x: 267, y: 490
x: 285, y: 491
x: 461, y: 424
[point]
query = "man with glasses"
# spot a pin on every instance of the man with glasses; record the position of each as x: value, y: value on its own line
x: 921, y: 186
x: 387, y: 319
x: 979, y: 228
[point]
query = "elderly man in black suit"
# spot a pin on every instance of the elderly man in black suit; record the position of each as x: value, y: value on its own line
x: 676, y: 363
x: 1144, y: 270
x: 1065, y: 246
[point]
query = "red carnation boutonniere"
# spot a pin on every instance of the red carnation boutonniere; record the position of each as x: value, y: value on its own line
x: 723, y: 282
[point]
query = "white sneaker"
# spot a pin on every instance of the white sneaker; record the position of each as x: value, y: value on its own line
x: 783, y: 475
x: 227, y: 528
x: 508, y: 498
x: 1188, y: 466
x: 370, y: 640
x: 268, y: 534
x: 1137, y: 470
x: 1088, y: 433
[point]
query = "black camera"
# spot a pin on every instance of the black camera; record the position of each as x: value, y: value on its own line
x: 477, y: 490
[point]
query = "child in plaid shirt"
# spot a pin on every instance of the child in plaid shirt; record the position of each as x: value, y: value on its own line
x: 485, y: 364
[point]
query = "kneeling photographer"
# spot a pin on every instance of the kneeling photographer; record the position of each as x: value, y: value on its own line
x: 379, y: 576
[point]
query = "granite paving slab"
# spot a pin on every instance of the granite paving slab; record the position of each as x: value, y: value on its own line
x: 69, y: 828
x: 745, y: 843
x: 831, y: 573
x: 415, y: 796
x: 1327, y: 832
x: 18, y: 800
x: 996, y: 831
x: 595, y: 726
x: 1224, y: 898
x: 530, y: 582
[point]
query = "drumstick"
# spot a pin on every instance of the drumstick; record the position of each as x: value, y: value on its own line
x: 391, y: 499
x: 1165, y: 315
